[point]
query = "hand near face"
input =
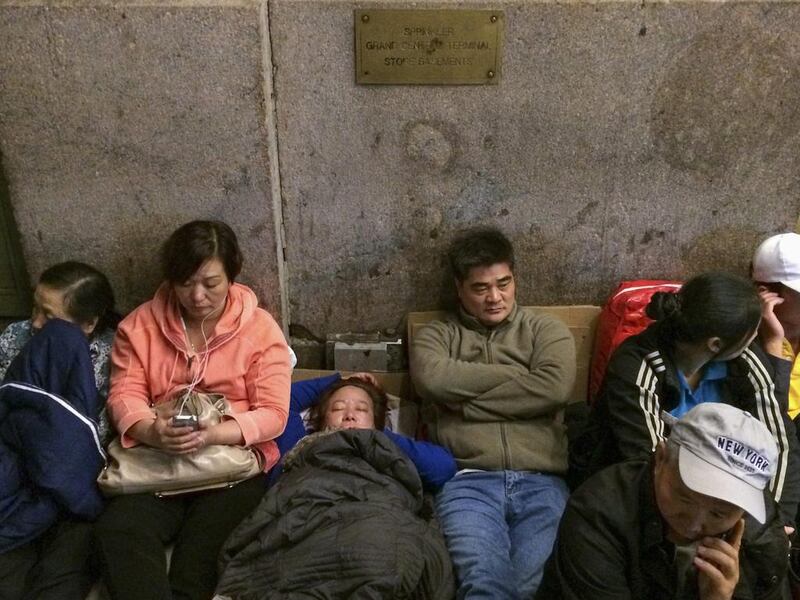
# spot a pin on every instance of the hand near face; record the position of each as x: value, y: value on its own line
x: 717, y: 564
x: 770, y: 330
x: 368, y: 377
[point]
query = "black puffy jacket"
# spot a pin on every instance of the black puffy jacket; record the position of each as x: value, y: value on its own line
x: 342, y: 522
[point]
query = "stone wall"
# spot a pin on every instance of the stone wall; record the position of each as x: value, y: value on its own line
x: 625, y: 139
x: 119, y: 122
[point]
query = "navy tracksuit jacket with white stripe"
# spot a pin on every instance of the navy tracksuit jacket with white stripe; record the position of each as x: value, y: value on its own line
x: 50, y: 452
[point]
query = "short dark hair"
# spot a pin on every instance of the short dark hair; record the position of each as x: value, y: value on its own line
x: 87, y: 294
x: 192, y: 244
x: 709, y: 305
x: 479, y: 247
x: 380, y: 402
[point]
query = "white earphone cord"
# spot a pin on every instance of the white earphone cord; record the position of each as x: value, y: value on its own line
x: 201, y: 371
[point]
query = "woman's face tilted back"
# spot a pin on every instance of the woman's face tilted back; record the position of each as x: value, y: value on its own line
x: 350, y: 408
x: 203, y: 294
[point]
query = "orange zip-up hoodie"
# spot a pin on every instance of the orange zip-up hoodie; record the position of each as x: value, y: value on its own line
x: 248, y: 361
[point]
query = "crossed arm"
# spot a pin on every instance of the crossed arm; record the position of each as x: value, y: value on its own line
x: 486, y: 391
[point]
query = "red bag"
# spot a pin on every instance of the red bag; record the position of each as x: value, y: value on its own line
x: 621, y: 317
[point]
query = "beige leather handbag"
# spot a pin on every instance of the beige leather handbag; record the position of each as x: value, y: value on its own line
x: 143, y: 469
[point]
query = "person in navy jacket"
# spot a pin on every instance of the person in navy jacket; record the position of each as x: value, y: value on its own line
x: 50, y: 456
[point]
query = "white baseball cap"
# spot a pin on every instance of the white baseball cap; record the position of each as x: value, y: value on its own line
x: 777, y: 260
x: 726, y: 453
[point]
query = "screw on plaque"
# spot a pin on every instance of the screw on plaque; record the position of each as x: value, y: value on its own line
x: 365, y: 18
x: 493, y: 19
x: 490, y: 74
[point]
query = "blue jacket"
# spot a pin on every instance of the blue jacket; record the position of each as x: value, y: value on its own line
x: 50, y: 452
x: 434, y: 463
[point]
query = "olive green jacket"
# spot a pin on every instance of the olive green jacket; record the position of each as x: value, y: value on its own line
x: 495, y: 397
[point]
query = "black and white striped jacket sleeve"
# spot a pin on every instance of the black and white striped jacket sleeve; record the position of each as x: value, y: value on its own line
x: 769, y: 379
x: 631, y: 401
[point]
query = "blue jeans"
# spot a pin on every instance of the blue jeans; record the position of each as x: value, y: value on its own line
x: 500, y: 527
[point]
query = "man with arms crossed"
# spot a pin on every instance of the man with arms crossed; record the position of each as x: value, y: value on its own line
x: 671, y: 527
x: 494, y: 379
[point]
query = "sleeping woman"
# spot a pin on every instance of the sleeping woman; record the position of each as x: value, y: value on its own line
x: 343, y: 520
x: 357, y: 402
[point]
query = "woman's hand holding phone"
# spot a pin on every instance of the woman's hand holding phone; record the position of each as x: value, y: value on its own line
x: 717, y: 564
x: 163, y: 434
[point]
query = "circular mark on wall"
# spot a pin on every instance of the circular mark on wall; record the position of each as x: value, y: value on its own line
x: 733, y: 94
x: 429, y: 143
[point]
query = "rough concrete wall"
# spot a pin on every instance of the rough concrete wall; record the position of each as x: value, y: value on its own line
x: 626, y: 139
x: 118, y: 123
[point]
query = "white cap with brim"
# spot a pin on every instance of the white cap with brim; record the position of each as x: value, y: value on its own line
x: 705, y: 479
x: 726, y: 453
x: 777, y: 260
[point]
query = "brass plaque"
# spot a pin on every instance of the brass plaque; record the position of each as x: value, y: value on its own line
x: 445, y: 47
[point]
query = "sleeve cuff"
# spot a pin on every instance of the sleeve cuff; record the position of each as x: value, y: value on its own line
x: 129, y: 421
x: 250, y: 431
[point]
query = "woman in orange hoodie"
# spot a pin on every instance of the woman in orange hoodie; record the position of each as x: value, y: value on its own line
x: 200, y: 330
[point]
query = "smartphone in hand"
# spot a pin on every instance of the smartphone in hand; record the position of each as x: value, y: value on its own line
x: 186, y: 421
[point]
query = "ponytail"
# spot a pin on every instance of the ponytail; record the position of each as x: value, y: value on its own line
x: 709, y: 305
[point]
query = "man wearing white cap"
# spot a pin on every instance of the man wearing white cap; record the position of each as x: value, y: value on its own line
x: 776, y: 268
x: 672, y: 527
